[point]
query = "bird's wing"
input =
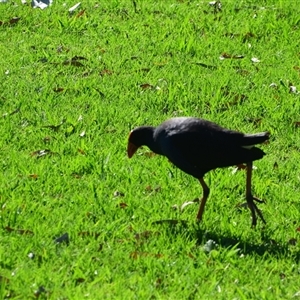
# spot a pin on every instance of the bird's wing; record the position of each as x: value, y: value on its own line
x: 180, y: 157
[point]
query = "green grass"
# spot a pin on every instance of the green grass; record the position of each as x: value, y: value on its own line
x: 115, y: 250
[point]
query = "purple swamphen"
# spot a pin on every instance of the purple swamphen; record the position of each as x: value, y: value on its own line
x: 197, y: 146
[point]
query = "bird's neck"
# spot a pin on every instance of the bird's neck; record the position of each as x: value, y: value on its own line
x: 149, y: 139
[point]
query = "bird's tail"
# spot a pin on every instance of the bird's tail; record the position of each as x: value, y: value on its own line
x: 254, y: 139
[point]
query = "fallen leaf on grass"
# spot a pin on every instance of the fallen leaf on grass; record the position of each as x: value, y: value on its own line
x: 41, y: 153
x: 63, y: 239
x: 14, y: 20
x: 226, y: 56
x: 118, y: 194
x: 106, y: 72
x: 79, y: 280
x: 80, y: 14
x: 292, y: 241
x: 12, y: 113
x: 75, y: 61
x: 81, y: 151
x: 240, y: 167
x: 39, y: 291
x: 297, y: 124
x: 146, y: 86
x: 123, y: 205
x: 21, y: 231
x: 206, y: 66
x: 149, y: 188
x: 58, y: 90
x: 33, y: 176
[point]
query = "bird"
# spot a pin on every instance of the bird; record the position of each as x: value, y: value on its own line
x: 197, y: 146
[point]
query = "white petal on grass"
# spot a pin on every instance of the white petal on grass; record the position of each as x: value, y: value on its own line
x: 255, y: 60
x: 293, y: 89
x: 41, y: 4
x: 71, y: 10
x: 185, y: 204
x: 210, y: 245
x: 80, y: 118
x: 82, y: 134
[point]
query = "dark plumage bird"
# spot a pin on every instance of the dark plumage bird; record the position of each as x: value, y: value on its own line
x: 197, y: 146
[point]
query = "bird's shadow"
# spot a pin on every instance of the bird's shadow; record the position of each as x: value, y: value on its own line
x: 266, y: 246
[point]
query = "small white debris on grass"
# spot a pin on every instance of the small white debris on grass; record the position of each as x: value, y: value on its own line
x: 73, y: 8
x: 42, y: 4
x: 255, y: 60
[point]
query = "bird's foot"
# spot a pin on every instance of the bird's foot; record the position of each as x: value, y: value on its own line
x: 258, y: 200
x: 254, y: 209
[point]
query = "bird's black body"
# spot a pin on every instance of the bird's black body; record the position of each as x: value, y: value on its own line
x: 197, y: 146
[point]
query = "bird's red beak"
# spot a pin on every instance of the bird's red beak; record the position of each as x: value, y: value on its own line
x: 131, y: 149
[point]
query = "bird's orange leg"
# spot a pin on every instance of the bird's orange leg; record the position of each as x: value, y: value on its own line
x: 204, y: 198
x: 249, y: 197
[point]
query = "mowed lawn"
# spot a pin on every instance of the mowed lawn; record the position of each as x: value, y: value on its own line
x: 79, y: 220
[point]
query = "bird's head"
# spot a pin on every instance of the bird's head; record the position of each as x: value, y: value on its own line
x: 138, y: 137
